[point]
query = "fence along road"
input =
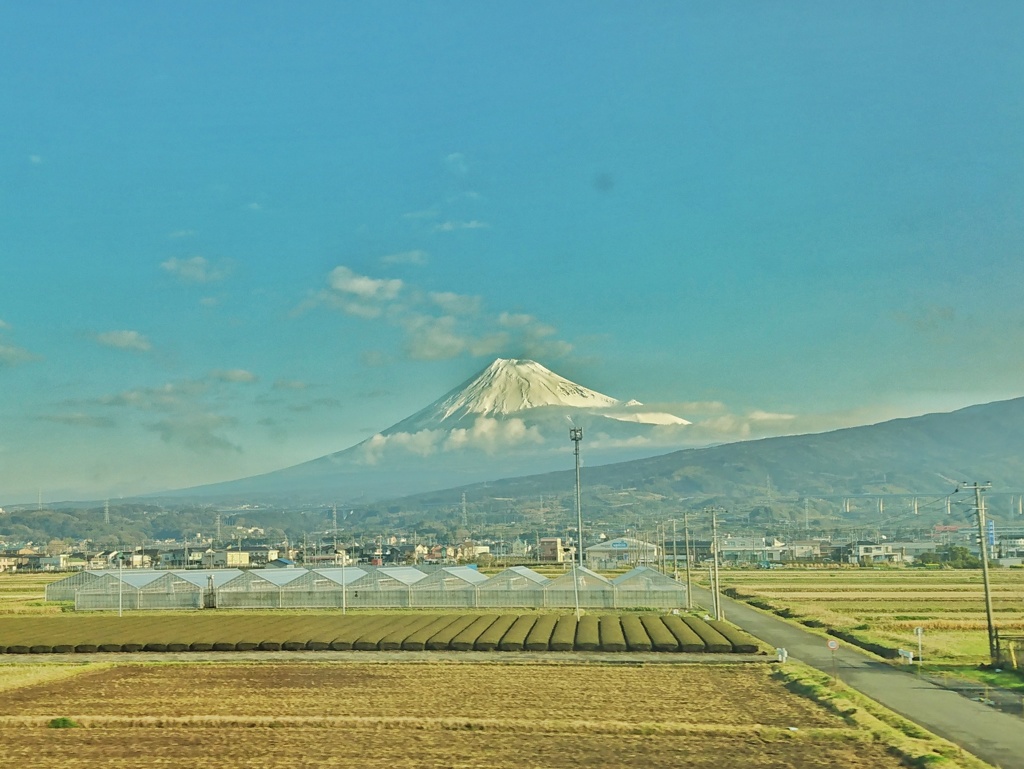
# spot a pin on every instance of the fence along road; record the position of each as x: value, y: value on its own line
x: 991, y: 735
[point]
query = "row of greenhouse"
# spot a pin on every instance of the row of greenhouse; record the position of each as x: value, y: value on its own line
x: 364, y: 587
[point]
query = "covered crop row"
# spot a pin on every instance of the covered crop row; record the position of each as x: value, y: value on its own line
x: 372, y: 632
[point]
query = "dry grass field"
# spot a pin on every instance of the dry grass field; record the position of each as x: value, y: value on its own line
x: 885, y: 605
x: 26, y: 593
x: 432, y: 714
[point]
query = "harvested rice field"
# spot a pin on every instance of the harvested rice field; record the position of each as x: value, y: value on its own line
x: 430, y: 714
x: 883, y: 606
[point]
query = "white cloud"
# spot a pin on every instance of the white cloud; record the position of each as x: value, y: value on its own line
x: 124, y: 340
x: 12, y: 356
x: 488, y: 435
x: 195, y: 269
x: 233, y: 375
x: 452, y: 226
x: 195, y: 431
x: 456, y: 163
x: 456, y: 304
x: 492, y: 435
x: 438, y: 325
x: 346, y: 281
x: 768, y: 416
x: 432, y: 338
x: 405, y: 257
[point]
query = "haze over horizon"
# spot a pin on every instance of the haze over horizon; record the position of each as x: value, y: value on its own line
x: 238, y: 237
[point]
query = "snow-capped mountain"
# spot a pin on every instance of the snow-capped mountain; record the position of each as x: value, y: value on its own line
x: 510, y: 419
x: 508, y: 387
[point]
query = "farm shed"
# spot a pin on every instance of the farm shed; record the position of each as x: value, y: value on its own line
x: 619, y: 552
x: 594, y: 590
x: 644, y: 586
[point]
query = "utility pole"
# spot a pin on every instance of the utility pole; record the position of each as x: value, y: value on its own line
x: 719, y: 614
x: 686, y: 542
x: 576, y: 435
x: 979, y: 502
x: 675, y: 553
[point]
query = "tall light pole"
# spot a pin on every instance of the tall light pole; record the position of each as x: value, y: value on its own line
x: 576, y: 435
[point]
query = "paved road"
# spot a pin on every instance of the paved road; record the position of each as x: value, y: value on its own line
x: 993, y: 736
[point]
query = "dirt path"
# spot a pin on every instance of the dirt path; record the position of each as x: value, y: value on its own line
x: 993, y: 736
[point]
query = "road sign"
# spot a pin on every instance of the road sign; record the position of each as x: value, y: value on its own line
x: 833, y: 644
x: 918, y: 631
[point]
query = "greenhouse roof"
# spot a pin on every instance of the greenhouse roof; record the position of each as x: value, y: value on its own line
x: 583, y: 577
x: 405, y: 574
x: 345, y: 576
x: 201, y: 577
x: 513, y: 573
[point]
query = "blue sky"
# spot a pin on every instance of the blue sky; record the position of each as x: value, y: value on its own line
x: 235, y: 236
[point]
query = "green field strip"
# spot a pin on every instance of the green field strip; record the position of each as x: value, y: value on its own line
x: 539, y: 637
x: 465, y: 640
x: 688, y: 640
x: 369, y: 640
x: 387, y: 632
x: 393, y: 641
x: 714, y: 642
x: 563, y: 637
x: 441, y: 640
x: 742, y: 643
x: 612, y: 637
x: 491, y: 637
x: 637, y: 639
x: 661, y: 637
x: 514, y: 639
x: 588, y: 635
x: 417, y: 640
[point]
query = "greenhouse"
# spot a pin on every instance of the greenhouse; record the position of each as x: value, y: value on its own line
x: 363, y: 587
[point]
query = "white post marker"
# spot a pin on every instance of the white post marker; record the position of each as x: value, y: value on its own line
x: 919, y: 632
x: 833, y: 645
x: 782, y: 654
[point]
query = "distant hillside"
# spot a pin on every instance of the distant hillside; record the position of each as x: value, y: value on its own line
x: 923, y: 455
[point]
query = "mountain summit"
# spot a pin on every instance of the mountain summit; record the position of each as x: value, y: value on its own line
x: 506, y: 388
x: 510, y: 418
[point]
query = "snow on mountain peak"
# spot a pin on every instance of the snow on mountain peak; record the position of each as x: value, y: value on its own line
x: 511, y: 385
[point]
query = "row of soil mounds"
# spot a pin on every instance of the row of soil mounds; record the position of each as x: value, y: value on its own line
x: 631, y: 632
